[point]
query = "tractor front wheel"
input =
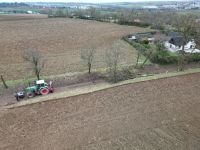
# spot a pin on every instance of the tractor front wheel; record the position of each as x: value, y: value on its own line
x: 30, y: 94
x: 44, y: 91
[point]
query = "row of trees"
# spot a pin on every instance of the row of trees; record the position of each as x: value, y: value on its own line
x: 157, y: 19
x: 37, y: 61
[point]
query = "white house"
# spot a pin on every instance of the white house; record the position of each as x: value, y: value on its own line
x: 174, y: 44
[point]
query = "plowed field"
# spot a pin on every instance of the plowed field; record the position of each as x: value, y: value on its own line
x: 155, y: 115
x: 61, y: 42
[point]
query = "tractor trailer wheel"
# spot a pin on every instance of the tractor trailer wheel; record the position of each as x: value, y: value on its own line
x: 44, y: 91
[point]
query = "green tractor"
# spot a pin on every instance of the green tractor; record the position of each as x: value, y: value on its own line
x: 39, y: 87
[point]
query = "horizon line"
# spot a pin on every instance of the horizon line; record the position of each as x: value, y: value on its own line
x: 137, y: 1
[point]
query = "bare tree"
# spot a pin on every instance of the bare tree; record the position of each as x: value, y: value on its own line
x: 185, y: 24
x: 92, y: 12
x: 142, y: 50
x: 148, y: 55
x: 197, y: 34
x: 137, y: 58
x: 4, y: 82
x: 87, y: 55
x: 35, y: 58
x: 138, y: 48
x: 112, y: 61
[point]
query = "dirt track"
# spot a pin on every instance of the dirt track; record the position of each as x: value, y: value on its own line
x: 160, y: 114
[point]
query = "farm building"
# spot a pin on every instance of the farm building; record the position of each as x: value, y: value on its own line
x: 174, y: 44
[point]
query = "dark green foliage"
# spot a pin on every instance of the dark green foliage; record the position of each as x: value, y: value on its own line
x: 85, y: 17
x: 164, y: 57
x: 140, y: 47
x: 160, y: 55
x: 139, y: 24
x: 147, y: 46
x: 145, y: 42
x: 194, y: 57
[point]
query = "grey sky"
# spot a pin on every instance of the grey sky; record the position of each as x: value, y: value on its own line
x: 92, y: 1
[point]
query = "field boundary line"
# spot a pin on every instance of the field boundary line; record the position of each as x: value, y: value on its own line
x: 98, y: 87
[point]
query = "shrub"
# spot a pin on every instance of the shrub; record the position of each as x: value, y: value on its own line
x: 164, y: 57
x: 147, y: 46
x: 123, y: 74
x: 145, y: 41
x: 139, y: 24
x: 194, y: 57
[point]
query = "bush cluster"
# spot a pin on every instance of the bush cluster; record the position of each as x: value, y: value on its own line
x: 160, y: 55
x: 164, y: 57
x: 139, y: 24
x: 194, y: 58
x: 124, y: 74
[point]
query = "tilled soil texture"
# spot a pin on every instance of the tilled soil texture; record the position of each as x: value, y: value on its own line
x: 61, y: 41
x: 154, y: 115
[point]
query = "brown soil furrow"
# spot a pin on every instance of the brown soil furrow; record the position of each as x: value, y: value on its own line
x: 158, y: 114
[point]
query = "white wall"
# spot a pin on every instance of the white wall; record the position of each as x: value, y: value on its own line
x: 188, y: 48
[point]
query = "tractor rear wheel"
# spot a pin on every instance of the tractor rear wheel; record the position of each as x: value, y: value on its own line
x: 30, y: 94
x: 44, y: 91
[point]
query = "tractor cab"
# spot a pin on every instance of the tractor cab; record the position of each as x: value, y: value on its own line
x: 41, y: 83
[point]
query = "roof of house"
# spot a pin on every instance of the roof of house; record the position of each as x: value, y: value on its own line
x: 175, y: 38
x: 142, y: 36
x: 174, y: 34
x: 161, y: 37
x: 178, y: 40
